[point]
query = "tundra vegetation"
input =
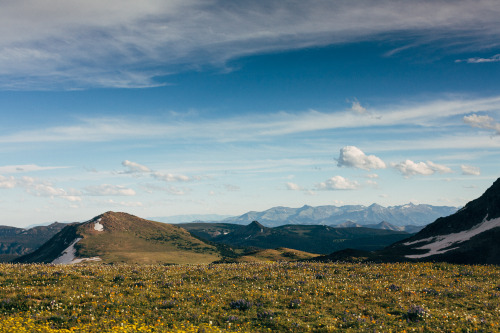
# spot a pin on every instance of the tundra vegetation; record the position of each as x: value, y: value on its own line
x: 250, y: 297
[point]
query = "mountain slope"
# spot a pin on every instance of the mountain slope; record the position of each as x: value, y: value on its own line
x: 308, y: 238
x: 121, y: 237
x: 471, y: 235
x: 278, y: 254
x: 409, y: 214
x: 15, y: 242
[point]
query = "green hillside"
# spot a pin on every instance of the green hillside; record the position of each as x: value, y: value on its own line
x: 309, y: 238
x: 125, y: 238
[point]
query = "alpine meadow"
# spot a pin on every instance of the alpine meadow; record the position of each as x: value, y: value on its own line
x: 249, y: 166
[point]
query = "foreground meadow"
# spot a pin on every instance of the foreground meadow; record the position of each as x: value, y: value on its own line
x: 250, y: 297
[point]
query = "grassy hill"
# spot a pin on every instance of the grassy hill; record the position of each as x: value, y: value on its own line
x: 125, y: 238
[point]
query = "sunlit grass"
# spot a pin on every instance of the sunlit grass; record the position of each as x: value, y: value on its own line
x: 250, y: 297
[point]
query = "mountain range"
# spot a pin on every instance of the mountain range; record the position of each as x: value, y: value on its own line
x: 15, y: 242
x: 404, y: 215
x: 308, y: 238
x: 470, y: 236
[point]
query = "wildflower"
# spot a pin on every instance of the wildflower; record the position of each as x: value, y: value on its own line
x: 416, y: 313
x: 241, y: 305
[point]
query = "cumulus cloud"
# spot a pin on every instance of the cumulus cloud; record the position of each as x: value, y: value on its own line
x: 470, y: 170
x: 293, y: 187
x: 484, y: 122
x: 338, y: 183
x: 478, y: 60
x: 409, y: 168
x: 8, y: 182
x: 351, y: 156
x: 39, y: 188
x: 135, y: 41
x: 108, y: 189
x: 357, y: 108
x: 133, y: 167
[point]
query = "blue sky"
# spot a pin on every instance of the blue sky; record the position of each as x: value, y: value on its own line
x: 164, y: 108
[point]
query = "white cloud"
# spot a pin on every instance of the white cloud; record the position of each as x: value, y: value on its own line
x: 168, y: 177
x: 245, y: 128
x: 357, y: 108
x: 39, y: 188
x: 135, y: 167
x: 130, y: 40
x: 477, y: 60
x: 150, y: 188
x: 338, y: 183
x: 108, y: 189
x: 351, y: 156
x: 470, y: 170
x: 293, y: 187
x: 8, y: 182
x: 484, y: 122
x: 72, y: 198
x: 372, y: 176
x: 27, y: 168
x: 438, y: 167
x: 409, y: 168
x: 124, y: 203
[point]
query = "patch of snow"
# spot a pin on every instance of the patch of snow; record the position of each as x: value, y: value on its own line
x: 98, y: 226
x: 441, y: 244
x: 68, y: 256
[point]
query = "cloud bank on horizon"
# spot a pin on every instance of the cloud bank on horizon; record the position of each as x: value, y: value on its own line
x: 181, y: 107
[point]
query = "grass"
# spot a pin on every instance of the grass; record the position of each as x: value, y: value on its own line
x: 279, y: 254
x: 250, y: 297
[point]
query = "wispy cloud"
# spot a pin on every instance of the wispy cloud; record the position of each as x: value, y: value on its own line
x: 477, y: 60
x: 351, y: 156
x: 245, y: 128
x: 127, y: 204
x: 232, y: 188
x: 168, y: 177
x: 27, y: 168
x: 134, y: 42
x: 109, y: 190
x: 136, y: 168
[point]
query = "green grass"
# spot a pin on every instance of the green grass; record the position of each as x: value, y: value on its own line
x: 250, y: 297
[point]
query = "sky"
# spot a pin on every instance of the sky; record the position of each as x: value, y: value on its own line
x: 162, y: 108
